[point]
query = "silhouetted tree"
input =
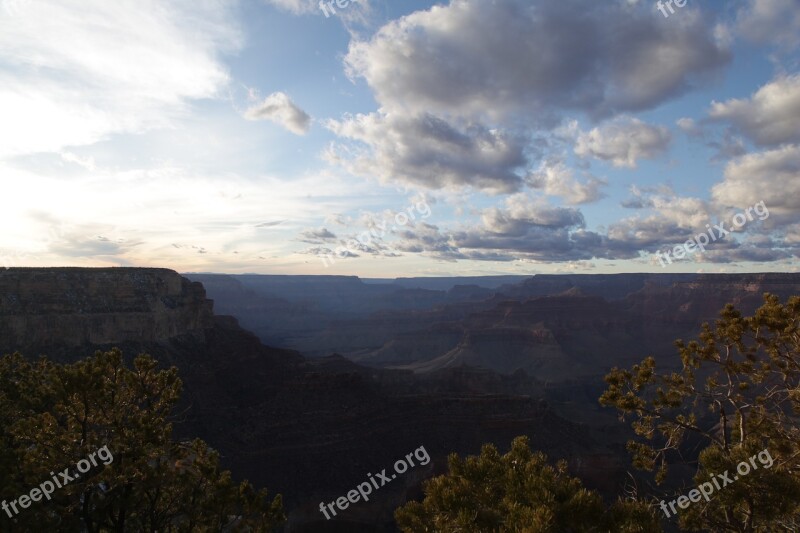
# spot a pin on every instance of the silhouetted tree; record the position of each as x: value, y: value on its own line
x: 53, y: 416
x: 517, y: 492
x: 738, y: 391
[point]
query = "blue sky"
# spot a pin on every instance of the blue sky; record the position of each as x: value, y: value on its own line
x: 398, y: 138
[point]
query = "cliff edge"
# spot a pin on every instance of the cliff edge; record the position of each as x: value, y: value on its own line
x: 72, y: 307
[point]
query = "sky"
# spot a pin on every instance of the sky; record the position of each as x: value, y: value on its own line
x: 395, y: 138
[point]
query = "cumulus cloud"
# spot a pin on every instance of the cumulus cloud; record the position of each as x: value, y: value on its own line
x: 639, y: 199
x: 669, y: 220
x: 480, y: 59
x: 694, y: 213
x: 536, y: 244
x: 756, y: 248
x: 466, y: 89
x: 770, y: 117
x: 555, y: 178
x: 770, y: 21
x: 527, y: 228
x: 772, y: 176
x: 106, y: 67
x: 425, y: 150
x: 522, y: 228
x: 426, y: 238
x: 279, y: 108
x: 327, y: 254
x: 521, y: 211
x: 623, y: 142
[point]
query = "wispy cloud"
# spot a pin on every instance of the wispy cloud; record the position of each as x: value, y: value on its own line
x: 73, y: 72
x: 280, y: 109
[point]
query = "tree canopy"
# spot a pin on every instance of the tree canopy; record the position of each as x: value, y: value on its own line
x: 517, y: 492
x: 52, y: 416
x: 737, y: 394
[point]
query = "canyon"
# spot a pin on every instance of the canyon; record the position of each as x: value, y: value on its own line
x: 306, y: 384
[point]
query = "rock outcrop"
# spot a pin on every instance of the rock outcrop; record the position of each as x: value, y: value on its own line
x: 72, y: 307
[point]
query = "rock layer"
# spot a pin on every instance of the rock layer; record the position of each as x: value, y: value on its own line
x: 71, y: 307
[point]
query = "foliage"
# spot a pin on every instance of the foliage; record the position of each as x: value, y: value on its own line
x: 52, y: 416
x: 516, y: 492
x: 737, y: 390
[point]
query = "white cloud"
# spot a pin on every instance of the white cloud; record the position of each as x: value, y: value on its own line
x: 684, y: 212
x: 771, y: 117
x: 476, y: 58
x: 73, y: 72
x: 521, y: 210
x: 427, y: 151
x: 523, y: 228
x: 467, y: 90
x: 280, y: 109
x: 624, y: 142
x: 771, y: 21
x: 557, y: 179
x: 772, y: 176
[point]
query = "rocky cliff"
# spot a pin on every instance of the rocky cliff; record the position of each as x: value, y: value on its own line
x: 72, y: 307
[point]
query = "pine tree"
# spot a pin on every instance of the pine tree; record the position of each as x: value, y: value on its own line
x: 53, y: 416
x: 737, y: 392
x: 517, y: 492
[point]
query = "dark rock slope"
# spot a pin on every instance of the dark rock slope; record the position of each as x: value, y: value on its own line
x: 311, y: 430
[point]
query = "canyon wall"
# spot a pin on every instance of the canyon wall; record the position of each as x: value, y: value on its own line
x: 71, y: 307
